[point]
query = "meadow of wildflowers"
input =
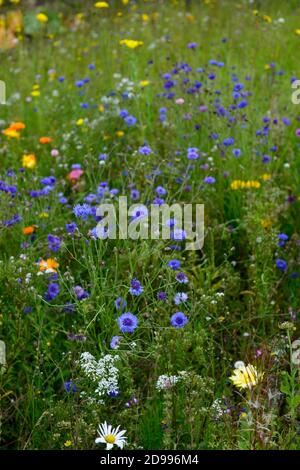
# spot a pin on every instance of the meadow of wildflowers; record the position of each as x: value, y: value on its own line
x: 142, y: 344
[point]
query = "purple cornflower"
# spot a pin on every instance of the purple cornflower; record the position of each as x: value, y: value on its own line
x: 161, y: 296
x: 54, y: 243
x: 180, y: 297
x: 80, y: 293
x: 135, y: 287
x: 178, y: 320
x: 182, y: 278
x: 127, y: 322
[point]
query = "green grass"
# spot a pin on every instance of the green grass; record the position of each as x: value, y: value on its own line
x: 247, y: 322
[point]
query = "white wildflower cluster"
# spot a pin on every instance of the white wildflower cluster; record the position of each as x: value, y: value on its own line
x: 125, y: 85
x: 103, y: 373
x: 217, y: 408
x: 165, y: 382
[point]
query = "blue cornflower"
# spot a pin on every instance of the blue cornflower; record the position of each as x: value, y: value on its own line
x: 281, y: 264
x: 228, y: 141
x: 236, y: 153
x: 123, y: 113
x: 174, y: 264
x: 127, y: 322
x: 48, y: 180
x: 180, y: 297
x: 192, y: 153
x: 178, y: 320
x: 135, y: 287
x: 70, y: 228
x: 135, y: 194
x: 52, y: 291
x: 70, y: 386
x: 120, y: 303
x: 82, y: 211
x: 145, y: 150
x: 114, y: 344
x: 178, y: 234
x: 209, y: 180
x: 130, y: 120
x: 161, y: 191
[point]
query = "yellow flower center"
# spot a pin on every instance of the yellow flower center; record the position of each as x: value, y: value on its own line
x: 110, y: 439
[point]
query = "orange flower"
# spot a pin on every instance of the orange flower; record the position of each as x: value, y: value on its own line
x: 49, y: 265
x: 17, y: 126
x: 45, y: 140
x: 29, y: 230
x: 29, y: 161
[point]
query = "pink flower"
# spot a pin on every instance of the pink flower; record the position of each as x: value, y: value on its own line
x: 74, y: 175
x: 297, y: 132
x: 54, y: 153
x: 179, y: 101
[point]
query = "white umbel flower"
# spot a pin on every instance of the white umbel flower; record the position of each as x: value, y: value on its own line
x: 111, y: 437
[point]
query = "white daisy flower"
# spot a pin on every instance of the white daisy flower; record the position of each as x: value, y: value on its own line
x: 111, y: 437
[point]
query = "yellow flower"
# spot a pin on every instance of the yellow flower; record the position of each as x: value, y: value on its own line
x: 267, y: 18
x: 44, y: 215
x: 266, y: 223
x: 125, y: 2
x: 101, y: 108
x: 266, y: 176
x: 246, y: 377
x: 190, y: 17
x: 145, y: 17
x: 68, y: 443
x: 80, y: 122
x: 238, y: 184
x: 297, y: 31
x: 101, y: 5
x: 131, y: 43
x: 35, y: 93
x: 267, y: 67
x: 120, y: 133
x: 42, y: 18
x: 29, y: 161
x: 11, y: 133
x: 144, y: 83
